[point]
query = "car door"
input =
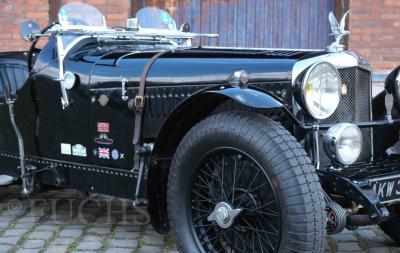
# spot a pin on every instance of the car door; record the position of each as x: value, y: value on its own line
x: 111, y: 122
x: 63, y: 131
x: 14, y: 75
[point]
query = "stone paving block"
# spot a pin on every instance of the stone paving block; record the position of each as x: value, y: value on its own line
x: 349, y: 247
x: 127, y: 228
x: 33, y: 244
x: 89, y: 246
x: 75, y: 226
x: 123, y: 243
x: 150, y: 249
x: 47, y: 227
x: 74, y: 233
x: 86, y: 251
x: 45, y: 235
x: 28, y: 251
x: 118, y: 250
x: 63, y: 241
x: 57, y: 249
x: 122, y: 235
x: 27, y: 225
x: 5, y: 248
x: 372, y: 239
x: 10, y: 240
x: 345, y: 237
x: 153, y: 239
x: 5, y: 218
x: 29, y: 219
x: 126, y: 235
x: 379, y: 250
x: 15, y: 232
x: 4, y: 224
x: 100, y: 230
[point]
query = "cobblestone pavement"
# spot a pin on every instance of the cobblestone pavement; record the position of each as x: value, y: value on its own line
x: 67, y: 221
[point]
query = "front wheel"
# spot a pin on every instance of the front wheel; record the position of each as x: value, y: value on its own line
x: 240, y: 182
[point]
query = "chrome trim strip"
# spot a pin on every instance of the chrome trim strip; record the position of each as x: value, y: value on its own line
x: 264, y: 49
x: 339, y: 60
x: 383, y: 178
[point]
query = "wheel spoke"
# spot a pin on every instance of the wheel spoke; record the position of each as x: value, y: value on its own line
x: 233, y: 180
x: 248, y: 189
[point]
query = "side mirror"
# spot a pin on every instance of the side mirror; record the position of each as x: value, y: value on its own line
x: 185, y: 27
x: 29, y: 28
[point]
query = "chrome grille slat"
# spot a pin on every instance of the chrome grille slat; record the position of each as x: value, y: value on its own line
x: 353, y: 107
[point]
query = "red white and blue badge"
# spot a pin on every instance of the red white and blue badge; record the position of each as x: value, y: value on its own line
x: 104, y: 153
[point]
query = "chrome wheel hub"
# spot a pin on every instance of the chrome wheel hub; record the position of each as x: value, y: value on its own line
x: 224, y: 215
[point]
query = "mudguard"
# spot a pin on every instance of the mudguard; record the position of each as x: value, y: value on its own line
x: 249, y: 96
x: 187, y: 114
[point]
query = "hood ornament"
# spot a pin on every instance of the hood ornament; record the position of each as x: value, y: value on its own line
x: 338, y: 30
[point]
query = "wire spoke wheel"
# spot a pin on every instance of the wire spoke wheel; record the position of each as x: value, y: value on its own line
x: 234, y: 206
x: 241, y: 183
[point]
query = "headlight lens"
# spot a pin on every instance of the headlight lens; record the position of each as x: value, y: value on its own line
x: 343, y: 143
x: 321, y: 90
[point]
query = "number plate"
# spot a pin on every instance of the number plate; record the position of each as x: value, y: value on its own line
x: 387, y: 188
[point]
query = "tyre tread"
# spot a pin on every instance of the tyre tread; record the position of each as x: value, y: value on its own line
x: 287, y: 158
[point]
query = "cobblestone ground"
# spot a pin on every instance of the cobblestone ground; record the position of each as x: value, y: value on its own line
x: 67, y: 221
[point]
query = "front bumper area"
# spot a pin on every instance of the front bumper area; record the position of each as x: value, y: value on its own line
x: 353, y: 184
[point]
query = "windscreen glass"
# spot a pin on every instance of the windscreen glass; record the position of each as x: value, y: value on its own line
x: 154, y: 18
x: 80, y: 14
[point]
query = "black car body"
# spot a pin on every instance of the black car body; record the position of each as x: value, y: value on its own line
x: 83, y: 137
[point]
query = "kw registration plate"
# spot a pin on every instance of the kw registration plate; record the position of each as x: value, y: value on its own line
x: 387, y: 188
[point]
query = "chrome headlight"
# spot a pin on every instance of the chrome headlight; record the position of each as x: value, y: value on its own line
x: 343, y: 143
x: 321, y: 90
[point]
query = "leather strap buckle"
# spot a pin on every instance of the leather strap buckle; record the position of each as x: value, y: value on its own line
x: 139, y: 102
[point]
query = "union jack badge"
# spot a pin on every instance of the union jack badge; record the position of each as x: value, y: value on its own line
x: 104, y: 153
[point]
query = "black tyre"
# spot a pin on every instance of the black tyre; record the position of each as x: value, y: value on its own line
x: 391, y: 227
x: 240, y: 182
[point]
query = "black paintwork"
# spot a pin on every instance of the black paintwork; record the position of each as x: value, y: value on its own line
x: 183, y: 87
x: 173, y: 83
x: 100, y: 71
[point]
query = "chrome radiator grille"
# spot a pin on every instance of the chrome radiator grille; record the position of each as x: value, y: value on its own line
x: 353, y: 107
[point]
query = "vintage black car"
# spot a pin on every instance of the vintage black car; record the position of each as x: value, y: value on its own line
x: 234, y: 149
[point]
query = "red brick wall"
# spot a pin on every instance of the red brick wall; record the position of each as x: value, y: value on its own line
x: 13, y: 12
x: 374, y: 24
x: 375, y: 31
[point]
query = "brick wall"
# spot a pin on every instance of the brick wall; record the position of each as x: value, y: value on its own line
x: 374, y: 24
x: 13, y: 12
x: 375, y: 31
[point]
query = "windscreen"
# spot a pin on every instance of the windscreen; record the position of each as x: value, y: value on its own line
x: 154, y: 18
x: 80, y: 14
